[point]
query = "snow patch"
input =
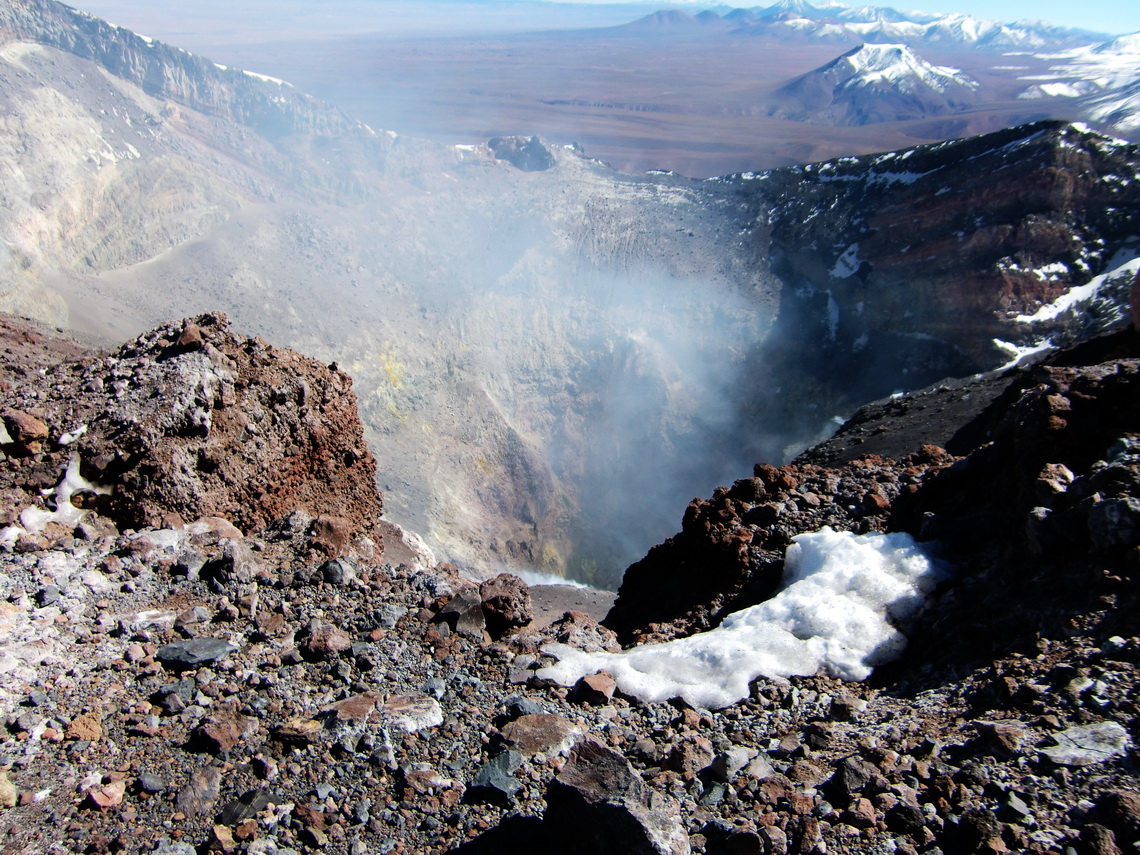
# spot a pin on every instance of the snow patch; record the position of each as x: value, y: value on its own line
x: 33, y: 519
x: 1019, y: 352
x: 843, y: 601
x: 1129, y: 265
x: 847, y: 263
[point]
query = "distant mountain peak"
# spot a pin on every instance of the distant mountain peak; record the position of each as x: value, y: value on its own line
x: 875, y: 83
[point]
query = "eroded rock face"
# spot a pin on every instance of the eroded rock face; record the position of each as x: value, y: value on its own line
x: 192, y: 420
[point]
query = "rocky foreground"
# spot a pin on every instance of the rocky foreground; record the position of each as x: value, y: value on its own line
x: 207, y: 647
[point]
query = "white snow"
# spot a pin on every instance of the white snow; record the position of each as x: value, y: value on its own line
x: 34, y: 519
x: 897, y: 64
x: 267, y: 79
x: 72, y: 436
x: 847, y: 263
x: 1122, y: 264
x: 843, y: 600
x: 1020, y: 352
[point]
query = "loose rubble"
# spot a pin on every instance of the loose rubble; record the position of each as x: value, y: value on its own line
x: 175, y: 685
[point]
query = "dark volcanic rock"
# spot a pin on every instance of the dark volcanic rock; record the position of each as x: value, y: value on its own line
x: 597, y: 803
x: 526, y: 153
x: 195, y: 652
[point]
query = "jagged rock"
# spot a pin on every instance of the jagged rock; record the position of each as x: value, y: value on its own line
x: 201, y: 791
x: 854, y: 776
x: 8, y: 792
x: 597, y: 803
x: 246, y: 806
x: 227, y: 430
x: 495, y: 782
x: 580, y: 630
x: 323, y: 641
x: 727, y: 764
x: 27, y: 433
x: 223, y: 729
x: 594, y: 688
x: 506, y: 603
x: 526, y: 153
x: 412, y: 712
x: 464, y: 614
x: 689, y: 755
x: 195, y: 652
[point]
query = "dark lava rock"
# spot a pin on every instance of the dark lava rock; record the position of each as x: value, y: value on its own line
x: 194, y: 652
x: 598, y: 803
x: 464, y: 614
x: 525, y: 153
x: 246, y: 806
x: 495, y: 782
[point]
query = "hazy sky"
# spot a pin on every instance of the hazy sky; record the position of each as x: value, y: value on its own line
x: 192, y: 23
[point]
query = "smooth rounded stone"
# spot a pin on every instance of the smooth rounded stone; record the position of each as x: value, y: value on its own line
x: 339, y: 571
x: 1087, y: 744
x: 150, y: 783
x: 195, y: 652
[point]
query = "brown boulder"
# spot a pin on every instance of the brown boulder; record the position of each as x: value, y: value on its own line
x: 506, y: 604
x: 28, y: 433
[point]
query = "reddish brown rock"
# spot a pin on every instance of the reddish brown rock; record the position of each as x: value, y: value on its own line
x: 541, y: 733
x: 323, y: 641
x: 689, y: 755
x: 506, y: 604
x: 594, y: 688
x: 580, y: 630
x: 28, y: 433
x: 218, y: 425
x: 223, y: 729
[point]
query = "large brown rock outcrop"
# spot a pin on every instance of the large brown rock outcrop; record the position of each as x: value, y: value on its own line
x: 192, y: 420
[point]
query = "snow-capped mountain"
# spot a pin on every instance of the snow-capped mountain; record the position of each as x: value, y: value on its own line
x: 875, y: 83
x: 840, y: 23
x: 1103, y: 80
